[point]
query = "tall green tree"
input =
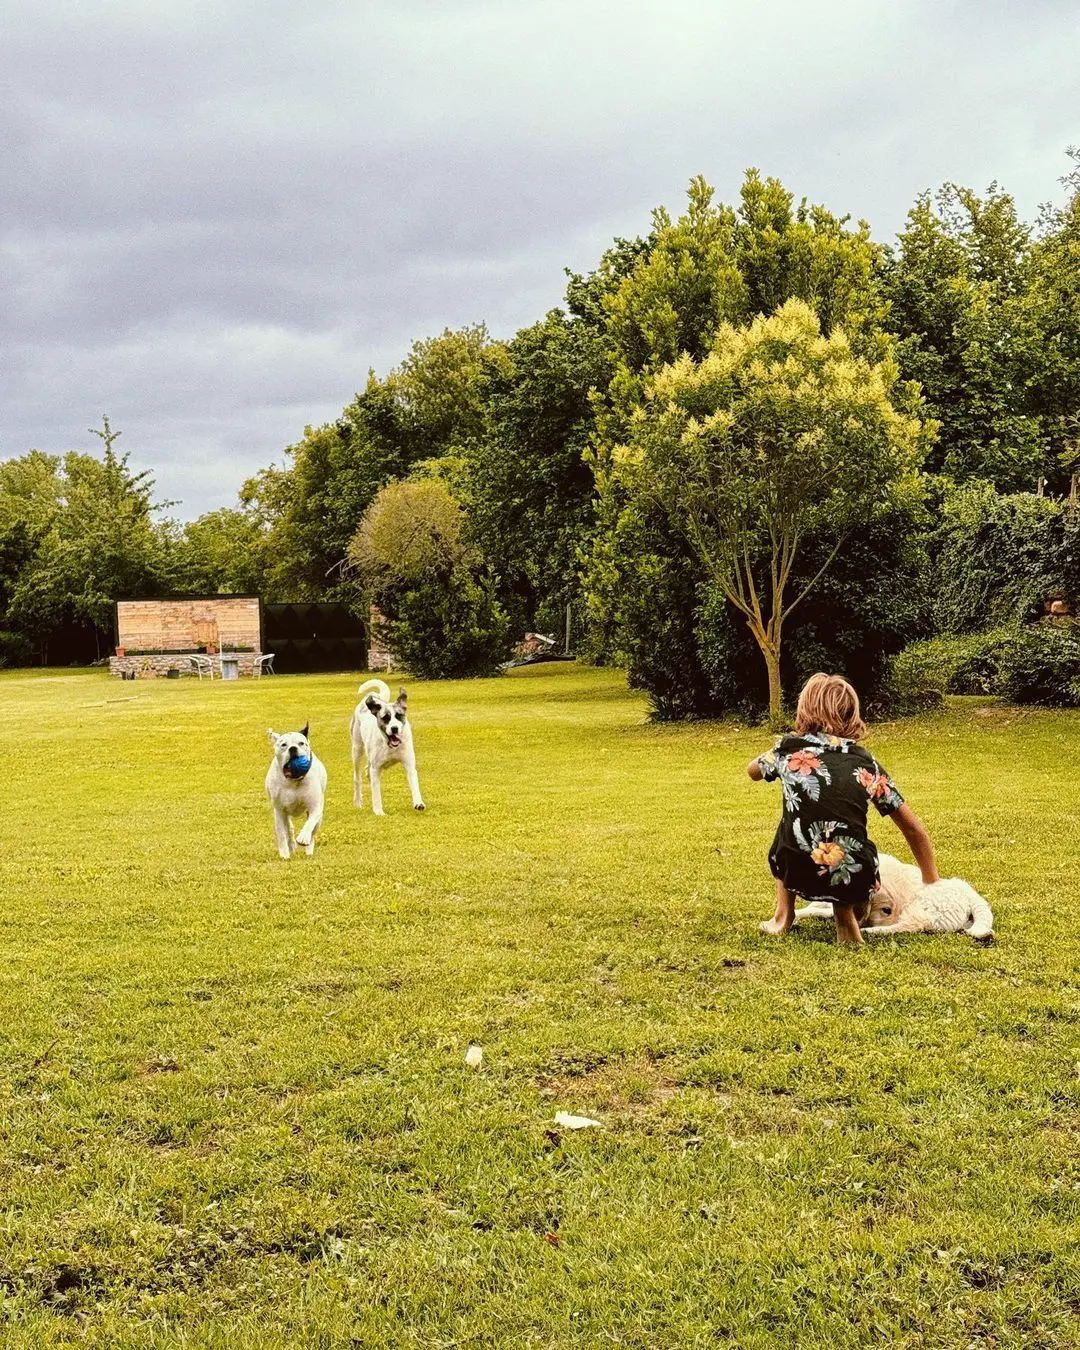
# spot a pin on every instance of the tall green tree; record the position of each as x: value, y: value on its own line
x: 95, y: 537
x: 1045, y: 331
x: 528, y: 488
x: 649, y: 595
x: 718, y: 264
x: 953, y: 287
x: 778, y: 436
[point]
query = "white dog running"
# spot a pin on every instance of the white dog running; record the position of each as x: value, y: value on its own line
x: 294, y: 790
x: 381, y: 735
x: 905, y: 905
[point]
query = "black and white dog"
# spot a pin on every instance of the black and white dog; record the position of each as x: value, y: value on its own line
x: 296, y: 785
x: 381, y: 735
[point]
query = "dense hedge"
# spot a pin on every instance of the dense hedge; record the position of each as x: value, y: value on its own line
x: 1041, y: 664
x: 446, y: 626
x: 998, y: 558
x: 922, y: 674
x: 1030, y: 663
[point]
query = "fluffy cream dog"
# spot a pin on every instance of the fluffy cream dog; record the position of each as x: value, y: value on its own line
x: 381, y: 735
x: 296, y: 785
x: 905, y: 905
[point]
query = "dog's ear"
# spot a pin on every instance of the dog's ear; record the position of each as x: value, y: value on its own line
x: 271, y: 735
x: 371, y: 703
x: 402, y: 698
x: 304, y: 730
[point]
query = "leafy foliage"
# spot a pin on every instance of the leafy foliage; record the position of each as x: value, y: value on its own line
x: 999, y: 558
x: 1041, y: 664
x: 79, y: 532
x: 411, y: 530
x: 778, y: 437
x: 440, y: 612
x: 528, y: 489
x: 448, y: 626
x: 923, y: 673
x: 954, y: 289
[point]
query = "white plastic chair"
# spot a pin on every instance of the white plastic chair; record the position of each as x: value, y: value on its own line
x: 202, y: 665
x: 263, y: 664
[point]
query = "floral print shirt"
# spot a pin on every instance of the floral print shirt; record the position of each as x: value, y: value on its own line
x: 821, y: 849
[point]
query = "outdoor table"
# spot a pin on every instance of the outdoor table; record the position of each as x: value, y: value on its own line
x: 230, y: 666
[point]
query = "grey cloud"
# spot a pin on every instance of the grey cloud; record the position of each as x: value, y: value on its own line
x: 217, y: 217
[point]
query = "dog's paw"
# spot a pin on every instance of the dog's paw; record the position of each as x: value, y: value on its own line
x: 419, y: 806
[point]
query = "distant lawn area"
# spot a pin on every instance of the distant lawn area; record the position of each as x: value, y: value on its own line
x: 235, y: 1111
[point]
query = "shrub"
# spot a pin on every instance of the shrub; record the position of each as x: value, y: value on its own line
x: 978, y: 661
x: 446, y: 627
x: 923, y: 673
x: 1041, y: 664
x: 442, y: 619
x: 917, y: 680
x: 15, y: 650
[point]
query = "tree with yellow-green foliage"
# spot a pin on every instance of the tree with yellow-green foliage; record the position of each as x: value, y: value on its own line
x: 777, y: 436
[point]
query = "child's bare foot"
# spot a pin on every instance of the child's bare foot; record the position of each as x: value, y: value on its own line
x: 783, y: 916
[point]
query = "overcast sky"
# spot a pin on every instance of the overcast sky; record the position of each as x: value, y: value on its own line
x: 217, y: 216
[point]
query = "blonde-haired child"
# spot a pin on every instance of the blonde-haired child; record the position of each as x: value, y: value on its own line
x: 821, y: 850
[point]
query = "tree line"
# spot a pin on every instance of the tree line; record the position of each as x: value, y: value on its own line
x: 731, y: 452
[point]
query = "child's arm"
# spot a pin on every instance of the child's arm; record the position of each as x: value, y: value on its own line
x: 764, y: 768
x: 918, y: 840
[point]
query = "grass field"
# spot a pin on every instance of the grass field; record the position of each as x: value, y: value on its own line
x: 234, y: 1108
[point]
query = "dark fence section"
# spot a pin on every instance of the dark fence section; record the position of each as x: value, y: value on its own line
x: 74, y: 644
x: 310, y: 637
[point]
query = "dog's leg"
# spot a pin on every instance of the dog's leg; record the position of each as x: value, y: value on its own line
x: 357, y: 772
x: 816, y: 909
x: 893, y: 929
x: 409, y: 765
x: 283, y: 831
x: 306, y: 838
x: 376, y: 789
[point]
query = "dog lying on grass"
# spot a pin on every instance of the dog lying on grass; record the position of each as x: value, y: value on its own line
x: 295, y: 784
x: 903, y: 904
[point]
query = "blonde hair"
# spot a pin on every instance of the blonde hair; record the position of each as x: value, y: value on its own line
x: 828, y: 703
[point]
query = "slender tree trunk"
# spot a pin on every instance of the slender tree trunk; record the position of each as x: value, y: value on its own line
x: 768, y: 640
x: 772, y: 661
x: 767, y: 636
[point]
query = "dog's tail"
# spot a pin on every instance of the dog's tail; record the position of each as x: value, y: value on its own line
x: 982, y: 919
x: 374, y: 687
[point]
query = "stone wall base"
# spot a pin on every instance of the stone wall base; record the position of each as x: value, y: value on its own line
x: 159, y: 665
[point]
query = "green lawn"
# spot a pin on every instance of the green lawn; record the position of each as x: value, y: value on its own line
x: 235, y: 1109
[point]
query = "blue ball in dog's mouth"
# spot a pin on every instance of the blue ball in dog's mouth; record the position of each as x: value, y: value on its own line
x: 296, y: 768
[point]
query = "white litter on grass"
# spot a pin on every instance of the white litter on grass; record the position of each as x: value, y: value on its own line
x: 569, y: 1122
x: 474, y: 1056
